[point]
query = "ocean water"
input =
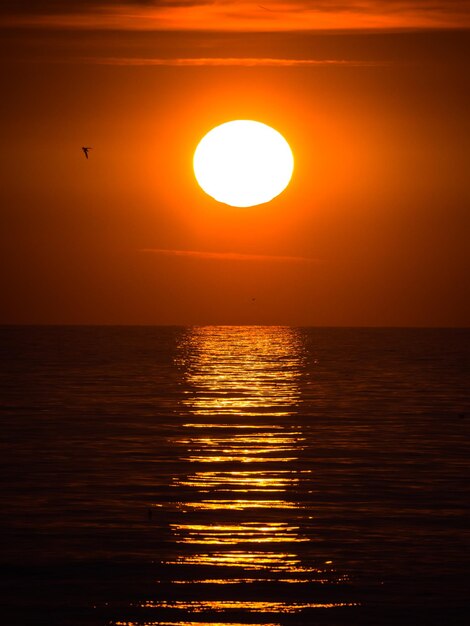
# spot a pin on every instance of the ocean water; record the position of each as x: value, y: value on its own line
x: 234, y: 475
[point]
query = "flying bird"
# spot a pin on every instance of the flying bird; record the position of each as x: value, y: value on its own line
x: 85, y: 150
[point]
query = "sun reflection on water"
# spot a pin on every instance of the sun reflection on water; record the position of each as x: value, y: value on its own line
x: 241, y: 385
x: 242, y: 371
x: 236, y: 518
x: 237, y: 605
x: 237, y: 505
x: 185, y: 623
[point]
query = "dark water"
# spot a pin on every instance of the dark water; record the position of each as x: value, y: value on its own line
x: 234, y: 475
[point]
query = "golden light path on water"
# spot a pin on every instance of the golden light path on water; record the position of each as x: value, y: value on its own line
x: 179, y: 623
x: 255, y: 607
x: 238, y: 521
x: 242, y: 384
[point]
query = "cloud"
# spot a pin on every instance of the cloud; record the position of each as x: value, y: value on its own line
x: 226, y: 15
x: 229, y: 256
x: 229, y: 62
x: 58, y: 7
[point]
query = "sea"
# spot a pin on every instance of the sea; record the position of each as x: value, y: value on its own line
x: 234, y: 475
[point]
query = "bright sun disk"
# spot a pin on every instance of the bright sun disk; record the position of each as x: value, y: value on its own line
x: 243, y: 163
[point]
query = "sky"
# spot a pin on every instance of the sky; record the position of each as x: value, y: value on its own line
x: 372, y: 96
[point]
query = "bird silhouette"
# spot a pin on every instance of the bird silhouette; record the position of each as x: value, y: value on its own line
x: 85, y: 150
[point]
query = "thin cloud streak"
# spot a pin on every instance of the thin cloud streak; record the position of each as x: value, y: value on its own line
x: 229, y: 256
x: 229, y: 62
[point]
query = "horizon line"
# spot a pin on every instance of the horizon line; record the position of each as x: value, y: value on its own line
x: 228, y: 325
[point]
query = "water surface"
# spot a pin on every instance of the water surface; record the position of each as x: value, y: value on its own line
x: 228, y: 475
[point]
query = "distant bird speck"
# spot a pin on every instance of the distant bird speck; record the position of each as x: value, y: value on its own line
x: 85, y: 150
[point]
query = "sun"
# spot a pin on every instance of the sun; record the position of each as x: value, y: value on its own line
x: 243, y: 163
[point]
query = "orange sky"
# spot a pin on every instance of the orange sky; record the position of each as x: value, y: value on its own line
x: 373, y: 229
